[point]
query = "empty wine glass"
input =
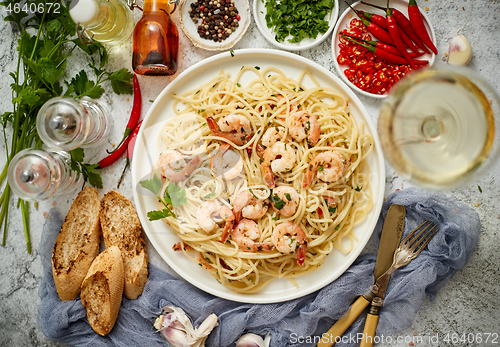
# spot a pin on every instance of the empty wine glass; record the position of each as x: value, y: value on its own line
x: 438, y: 127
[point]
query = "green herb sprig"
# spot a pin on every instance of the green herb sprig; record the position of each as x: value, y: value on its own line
x: 46, y: 40
x: 300, y: 19
x: 174, y: 196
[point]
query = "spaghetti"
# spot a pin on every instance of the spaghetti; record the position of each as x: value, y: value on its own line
x: 274, y: 176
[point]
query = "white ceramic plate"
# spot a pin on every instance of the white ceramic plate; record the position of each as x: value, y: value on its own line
x: 259, y: 13
x: 190, y: 29
x: 146, y: 153
x: 348, y: 15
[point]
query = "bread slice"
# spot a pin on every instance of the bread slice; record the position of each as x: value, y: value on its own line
x: 121, y: 227
x: 77, y: 244
x: 102, y: 290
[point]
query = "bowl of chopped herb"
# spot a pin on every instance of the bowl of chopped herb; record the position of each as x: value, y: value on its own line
x: 295, y: 25
x: 214, y: 25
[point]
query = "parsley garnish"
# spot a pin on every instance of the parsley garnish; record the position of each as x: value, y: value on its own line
x: 277, y: 202
x: 89, y: 172
x: 297, y: 18
x: 208, y: 196
x: 174, y: 195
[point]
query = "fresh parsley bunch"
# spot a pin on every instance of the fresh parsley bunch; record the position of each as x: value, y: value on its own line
x: 300, y: 19
x: 46, y: 40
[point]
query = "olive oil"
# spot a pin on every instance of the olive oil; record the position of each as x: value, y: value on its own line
x: 108, y: 21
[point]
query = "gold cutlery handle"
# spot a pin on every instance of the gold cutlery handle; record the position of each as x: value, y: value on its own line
x: 369, y: 330
x: 328, y: 339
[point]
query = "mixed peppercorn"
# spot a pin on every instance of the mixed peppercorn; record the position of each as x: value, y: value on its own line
x: 215, y: 19
x: 365, y: 69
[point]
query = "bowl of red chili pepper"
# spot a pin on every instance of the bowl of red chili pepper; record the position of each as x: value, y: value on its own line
x: 374, y: 47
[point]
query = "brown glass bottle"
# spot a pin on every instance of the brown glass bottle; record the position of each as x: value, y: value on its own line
x: 156, y: 41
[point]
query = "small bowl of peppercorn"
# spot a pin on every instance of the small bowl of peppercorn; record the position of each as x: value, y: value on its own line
x: 214, y: 25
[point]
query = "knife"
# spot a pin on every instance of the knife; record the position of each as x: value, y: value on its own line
x: 389, y: 241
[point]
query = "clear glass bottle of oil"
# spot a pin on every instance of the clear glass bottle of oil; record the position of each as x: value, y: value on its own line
x: 106, y: 21
x: 155, y: 41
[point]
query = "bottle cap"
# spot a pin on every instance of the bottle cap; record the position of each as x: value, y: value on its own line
x: 62, y: 123
x: 34, y: 174
x: 83, y: 11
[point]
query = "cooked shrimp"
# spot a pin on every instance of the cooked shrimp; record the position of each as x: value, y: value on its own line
x: 226, y: 163
x: 249, y: 206
x: 285, y: 200
x: 327, y: 166
x: 304, y: 125
x: 173, y: 165
x: 179, y: 246
x: 208, y: 211
x: 273, y: 135
x: 233, y: 127
x: 280, y: 157
x: 288, y: 237
x: 245, y: 233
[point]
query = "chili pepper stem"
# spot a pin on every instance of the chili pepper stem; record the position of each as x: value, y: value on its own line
x: 126, y: 134
x: 127, y: 164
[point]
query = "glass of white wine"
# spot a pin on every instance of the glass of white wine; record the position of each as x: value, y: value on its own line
x: 438, y: 127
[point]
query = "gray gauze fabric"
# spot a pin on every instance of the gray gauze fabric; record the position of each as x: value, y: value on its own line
x: 291, y: 323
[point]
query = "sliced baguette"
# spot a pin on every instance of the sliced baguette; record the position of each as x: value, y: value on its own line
x: 121, y: 227
x: 77, y: 244
x: 102, y: 290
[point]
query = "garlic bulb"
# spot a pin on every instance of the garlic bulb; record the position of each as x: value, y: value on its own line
x: 460, y: 51
x: 177, y: 329
x: 252, y: 340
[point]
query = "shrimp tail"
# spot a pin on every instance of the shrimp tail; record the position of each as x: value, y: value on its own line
x: 216, y: 161
x: 212, y: 124
x: 186, y: 172
x: 260, y: 149
x: 228, y: 228
x: 268, y: 175
x: 309, y: 175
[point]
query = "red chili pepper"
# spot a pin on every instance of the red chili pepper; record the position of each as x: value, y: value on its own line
x: 379, y: 33
x: 396, y: 37
x: 382, y: 22
x: 417, y: 23
x: 375, y: 18
x: 320, y: 212
x: 404, y: 26
x: 135, y: 114
x: 130, y: 149
x: 384, y: 46
x: 389, y: 57
x: 114, y: 156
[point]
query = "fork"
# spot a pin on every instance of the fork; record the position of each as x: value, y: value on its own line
x: 411, y: 246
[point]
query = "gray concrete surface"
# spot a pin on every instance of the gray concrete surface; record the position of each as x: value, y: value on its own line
x: 468, y: 304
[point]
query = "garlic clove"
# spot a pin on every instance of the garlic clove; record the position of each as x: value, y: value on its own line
x: 250, y: 340
x: 460, y: 51
x: 175, y: 327
x: 267, y: 340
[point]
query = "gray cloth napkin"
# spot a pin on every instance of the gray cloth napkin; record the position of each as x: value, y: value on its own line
x: 291, y: 323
